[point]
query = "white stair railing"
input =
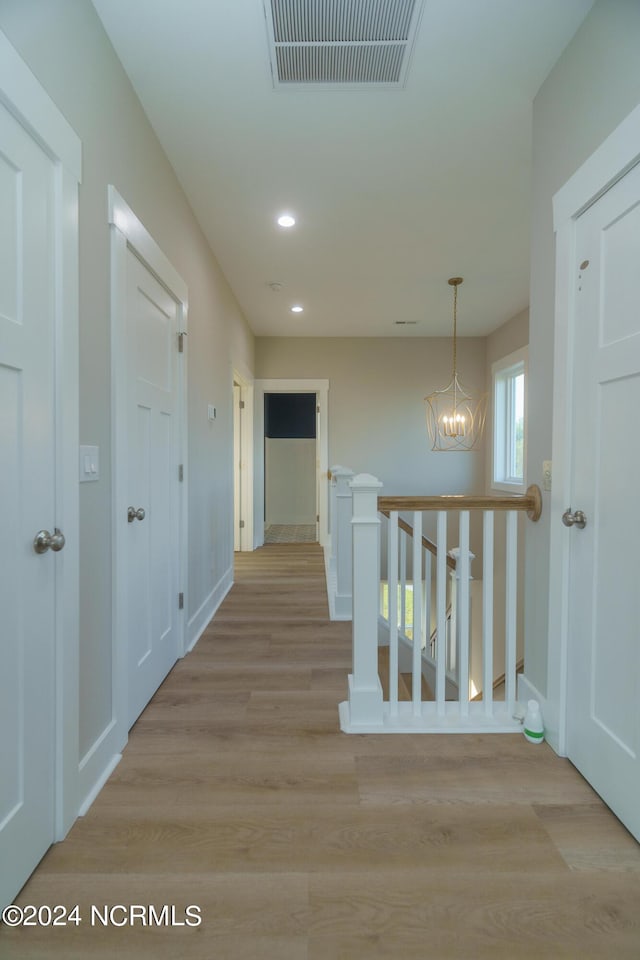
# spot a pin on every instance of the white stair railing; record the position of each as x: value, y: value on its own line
x: 453, y: 708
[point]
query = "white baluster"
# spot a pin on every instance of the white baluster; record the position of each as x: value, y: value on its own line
x: 344, y: 560
x: 463, y: 615
x: 403, y: 583
x: 487, y: 611
x: 463, y: 558
x: 365, y: 691
x: 511, y: 607
x: 416, y: 672
x: 332, y: 519
x: 441, y: 612
x: 426, y: 602
x: 392, y: 577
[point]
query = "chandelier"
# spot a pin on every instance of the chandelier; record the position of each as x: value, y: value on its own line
x: 455, y: 418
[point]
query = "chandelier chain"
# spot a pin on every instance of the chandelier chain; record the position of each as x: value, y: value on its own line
x: 455, y: 323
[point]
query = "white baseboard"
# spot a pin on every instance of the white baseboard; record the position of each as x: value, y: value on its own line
x: 303, y: 520
x: 203, y: 615
x: 99, y: 784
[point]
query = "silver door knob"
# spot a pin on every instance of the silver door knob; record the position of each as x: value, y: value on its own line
x: 133, y: 514
x: 44, y: 541
x: 576, y: 519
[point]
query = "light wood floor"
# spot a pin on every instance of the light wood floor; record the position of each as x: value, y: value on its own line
x: 238, y: 793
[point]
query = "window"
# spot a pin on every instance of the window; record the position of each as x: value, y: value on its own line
x: 509, y: 421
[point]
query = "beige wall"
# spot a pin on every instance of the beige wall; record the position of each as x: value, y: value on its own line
x: 511, y: 336
x: 63, y: 43
x: 290, y: 480
x: 592, y: 88
x: 376, y: 404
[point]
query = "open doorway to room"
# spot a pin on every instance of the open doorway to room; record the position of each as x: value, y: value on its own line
x: 290, y: 468
x: 319, y: 391
x: 242, y: 463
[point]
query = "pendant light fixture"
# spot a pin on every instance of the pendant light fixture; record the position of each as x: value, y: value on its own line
x: 455, y: 418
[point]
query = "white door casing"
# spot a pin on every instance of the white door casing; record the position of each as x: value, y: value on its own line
x: 593, y: 655
x: 40, y: 164
x: 149, y: 422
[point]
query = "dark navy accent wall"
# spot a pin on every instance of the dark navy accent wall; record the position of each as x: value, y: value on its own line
x: 288, y: 415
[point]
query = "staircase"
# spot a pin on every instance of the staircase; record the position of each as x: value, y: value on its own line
x: 427, y: 660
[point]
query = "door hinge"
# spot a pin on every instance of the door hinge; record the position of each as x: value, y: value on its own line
x: 242, y: 524
x: 181, y: 601
x: 317, y: 518
x: 181, y: 337
x: 181, y: 473
x: 317, y: 409
x: 242, y: 404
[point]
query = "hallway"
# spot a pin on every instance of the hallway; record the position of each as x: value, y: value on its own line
x: 238, y: 793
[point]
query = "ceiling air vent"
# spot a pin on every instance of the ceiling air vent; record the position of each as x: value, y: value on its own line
x: 338, y: 42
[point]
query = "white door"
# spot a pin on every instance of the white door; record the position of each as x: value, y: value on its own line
x: 603, y: 705
x: 153, y: 542
x: 27, y: 465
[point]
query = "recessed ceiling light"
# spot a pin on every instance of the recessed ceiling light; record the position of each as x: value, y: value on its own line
x: 286, y: 220
x: 297, y: 308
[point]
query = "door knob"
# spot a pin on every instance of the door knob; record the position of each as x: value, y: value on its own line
x: 44, y: 541
x: 576, y: 519
x: 133, y: 514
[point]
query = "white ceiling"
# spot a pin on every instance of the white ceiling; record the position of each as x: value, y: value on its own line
x: 394, y: 190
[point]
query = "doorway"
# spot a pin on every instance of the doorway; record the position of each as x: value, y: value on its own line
x: 242, y: 463
x: 319, y: 389
x: 290, y: 475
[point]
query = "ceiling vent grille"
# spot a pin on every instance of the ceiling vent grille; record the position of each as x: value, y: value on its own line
x: 318, y: 42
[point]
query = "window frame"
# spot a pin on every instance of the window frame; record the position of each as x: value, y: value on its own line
x: 504, y: 371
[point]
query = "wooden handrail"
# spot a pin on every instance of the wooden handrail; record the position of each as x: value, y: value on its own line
x: 426, y: 543
x: 531, y: 502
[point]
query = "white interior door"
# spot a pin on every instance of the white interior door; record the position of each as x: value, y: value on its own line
x: 27, y: 505
x: 603, y: 705
x: 153, y: 541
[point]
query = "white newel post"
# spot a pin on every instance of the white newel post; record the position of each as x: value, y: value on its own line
x: 344, y: 546
x: 365, y: 691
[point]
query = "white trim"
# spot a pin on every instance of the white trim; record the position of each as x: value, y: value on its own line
x: 201, y: 619
x: 67, y: 502
x: 99, y: 784
x: 33, y: 108
x: 127, y: 232
x: 321, y: 390
x: 29, y: 103
x: 246, y: 456
x: 610, y: 162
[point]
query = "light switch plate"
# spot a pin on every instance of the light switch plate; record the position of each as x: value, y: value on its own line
x: 89, y: 463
